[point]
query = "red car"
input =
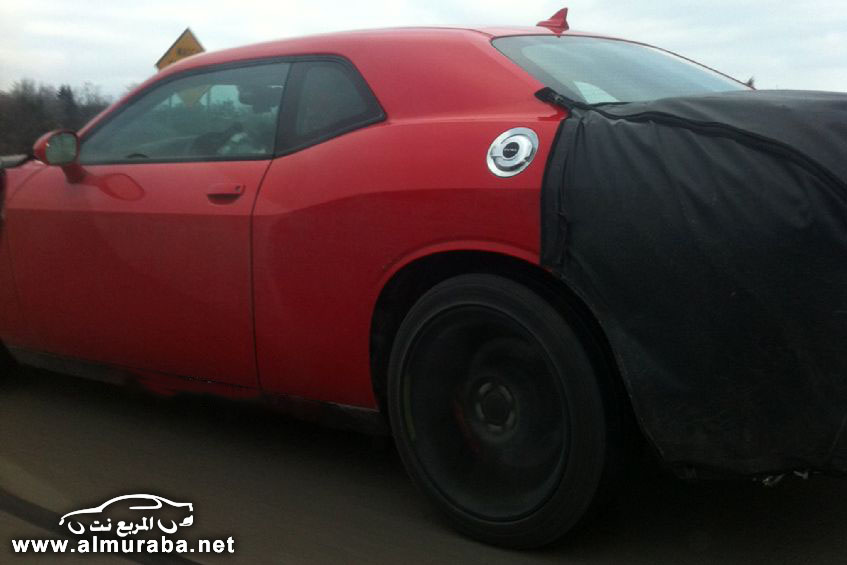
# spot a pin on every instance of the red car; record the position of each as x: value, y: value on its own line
x: 463, y: 234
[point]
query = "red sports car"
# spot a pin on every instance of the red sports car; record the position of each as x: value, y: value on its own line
x: 521, y: 249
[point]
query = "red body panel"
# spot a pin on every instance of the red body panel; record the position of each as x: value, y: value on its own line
x: 327, y: 238
x: 135, y: 267
x: 14, y: 327
x: 12, y: 322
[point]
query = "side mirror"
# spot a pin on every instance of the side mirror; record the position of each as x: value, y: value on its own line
x: 60, y: 148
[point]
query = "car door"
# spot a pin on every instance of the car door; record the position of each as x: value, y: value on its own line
x: 145, y: 263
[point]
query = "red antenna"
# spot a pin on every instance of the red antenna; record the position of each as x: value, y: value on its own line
x: 557, y: 23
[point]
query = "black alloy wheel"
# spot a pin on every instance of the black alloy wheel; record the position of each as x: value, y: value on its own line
x: 498, y: 412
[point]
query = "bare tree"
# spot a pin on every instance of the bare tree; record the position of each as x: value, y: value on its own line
x: 28, y: 110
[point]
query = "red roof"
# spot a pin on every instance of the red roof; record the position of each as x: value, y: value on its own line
x: 338, y: 41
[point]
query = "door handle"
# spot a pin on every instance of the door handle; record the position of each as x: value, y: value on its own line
x: 224, y: 193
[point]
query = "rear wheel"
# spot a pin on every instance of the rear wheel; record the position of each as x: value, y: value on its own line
x: 498, y: 412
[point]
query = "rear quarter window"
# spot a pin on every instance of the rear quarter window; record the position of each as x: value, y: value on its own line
x: 328, y: 98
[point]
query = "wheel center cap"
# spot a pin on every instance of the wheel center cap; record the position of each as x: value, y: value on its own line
x: 496, y: 408
x: 495, y: 405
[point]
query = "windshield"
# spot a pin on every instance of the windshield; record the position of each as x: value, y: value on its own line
x: 595, y: 70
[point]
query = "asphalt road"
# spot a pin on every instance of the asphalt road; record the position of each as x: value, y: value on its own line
x: 291, y: 492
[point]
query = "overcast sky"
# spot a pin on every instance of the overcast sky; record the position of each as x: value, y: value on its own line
x: 115, y: 43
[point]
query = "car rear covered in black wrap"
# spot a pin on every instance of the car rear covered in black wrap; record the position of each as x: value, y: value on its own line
x: 708, y: 234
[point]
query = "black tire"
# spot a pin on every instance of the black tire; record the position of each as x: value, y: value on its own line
x: 499, y: 411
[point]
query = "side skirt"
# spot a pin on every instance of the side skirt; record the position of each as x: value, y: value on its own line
x: 339, y: 416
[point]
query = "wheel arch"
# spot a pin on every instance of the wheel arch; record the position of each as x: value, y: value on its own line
x: 413, y: 279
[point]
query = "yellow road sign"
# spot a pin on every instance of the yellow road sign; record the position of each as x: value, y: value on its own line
x: 190, y: 96
x: 184, y: 46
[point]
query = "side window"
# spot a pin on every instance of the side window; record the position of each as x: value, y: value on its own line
x: 226, y: 114
x: 331, y: 98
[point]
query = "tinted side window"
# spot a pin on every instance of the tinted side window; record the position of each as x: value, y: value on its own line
x: 329, y: 99
x: 226, y: 114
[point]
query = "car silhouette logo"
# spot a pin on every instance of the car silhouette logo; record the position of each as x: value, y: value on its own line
x: 143, y: 513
